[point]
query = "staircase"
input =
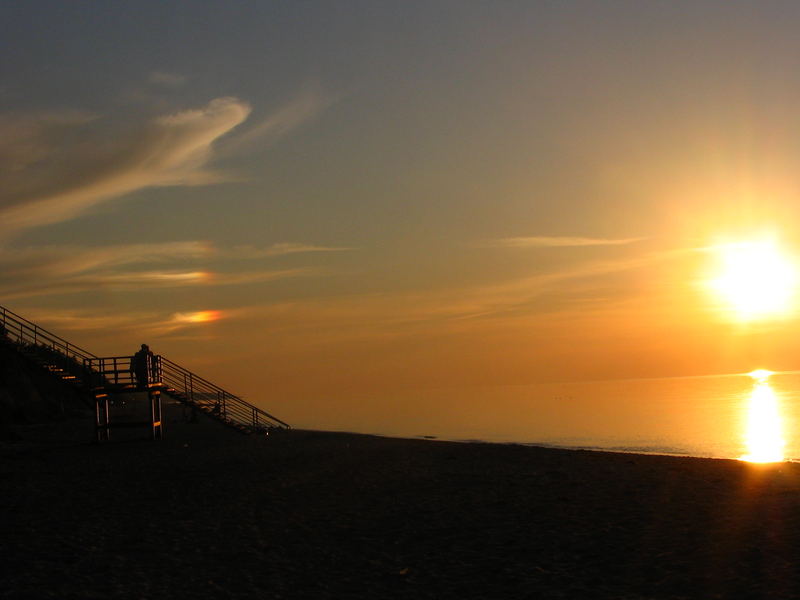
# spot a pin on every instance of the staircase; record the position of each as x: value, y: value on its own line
x: 87, y: 372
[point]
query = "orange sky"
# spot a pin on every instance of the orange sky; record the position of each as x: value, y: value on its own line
x: 331, y: 204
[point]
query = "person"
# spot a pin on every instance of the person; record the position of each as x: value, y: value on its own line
x: 141, y: 363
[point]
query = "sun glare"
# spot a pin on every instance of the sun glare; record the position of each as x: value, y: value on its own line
x: 764, y: 436
x: 755, y: 279
x: 761, y: 374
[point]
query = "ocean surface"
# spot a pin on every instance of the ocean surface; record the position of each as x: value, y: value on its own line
x: 747, y: 416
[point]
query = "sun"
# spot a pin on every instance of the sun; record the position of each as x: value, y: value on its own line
x: 755, y: 279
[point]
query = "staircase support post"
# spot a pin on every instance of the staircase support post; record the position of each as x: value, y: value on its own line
x: 102, y: 425
x: 157, y: 432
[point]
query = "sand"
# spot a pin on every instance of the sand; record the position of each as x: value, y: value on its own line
x: 209, y: 513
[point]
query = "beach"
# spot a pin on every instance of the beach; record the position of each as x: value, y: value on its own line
x: 209, y: 513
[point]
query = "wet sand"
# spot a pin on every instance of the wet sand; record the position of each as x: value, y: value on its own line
x: 208, y: 513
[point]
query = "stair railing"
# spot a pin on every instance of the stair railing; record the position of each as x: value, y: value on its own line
x: 212, y: 399
x: 46, y: 345
x: 22, y: 331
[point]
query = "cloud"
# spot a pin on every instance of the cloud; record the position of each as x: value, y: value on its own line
x: 60, y: 174
x: 43, y: 262
x: 560, y: 242
x: 106, y: 282
x: 259, y: 276
x: 456, y: 304
x: 559, y: 297
x: 166, y: 79
x: 134, y: 281
x: 590, y: 292
x: 280, y: 249
x: 27, y: 139
x: 58, y: 165
x: 48, y: 270
x: 300, y: 109
x: 142, y: 323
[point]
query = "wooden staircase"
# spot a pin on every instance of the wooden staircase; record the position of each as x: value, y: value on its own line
x: 93, y: 375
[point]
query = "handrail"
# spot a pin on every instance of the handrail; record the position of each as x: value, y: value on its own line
x: 119, y: 370
x: 28, y: 332
x: 202, y: 392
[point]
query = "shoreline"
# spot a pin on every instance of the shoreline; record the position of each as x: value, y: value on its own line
x: 554, y: 446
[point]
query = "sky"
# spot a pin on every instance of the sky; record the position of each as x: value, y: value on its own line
x: 315, y: 202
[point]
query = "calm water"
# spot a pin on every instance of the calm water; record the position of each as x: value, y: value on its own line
x: 728, y: 416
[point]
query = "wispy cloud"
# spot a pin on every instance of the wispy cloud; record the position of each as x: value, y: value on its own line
x: 166, y: 79
x: 58, y: 165
x: 280, y: 249
x: 384, y: 315
x: 106, y: 282
x: 142, y: 323
x: 48, y: 262
x: 142, y: 280
x: 44, y: 262
x: 53, y: 180
x: 560, y: 242
x: 302, y: 108
x: 48, y: 270
x: 27, y: 139
x: 246, y: 277
x: 578, y: 283
x: 76, y: 320
x: 590, y: 292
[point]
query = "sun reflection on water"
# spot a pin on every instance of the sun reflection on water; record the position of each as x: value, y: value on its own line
x: 764, y: 436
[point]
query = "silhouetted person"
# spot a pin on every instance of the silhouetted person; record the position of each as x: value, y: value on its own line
x: 141, y: 365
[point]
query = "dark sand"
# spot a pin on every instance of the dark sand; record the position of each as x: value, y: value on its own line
x: 209, y: 513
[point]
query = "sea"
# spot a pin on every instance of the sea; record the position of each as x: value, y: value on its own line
x: 752, y: 416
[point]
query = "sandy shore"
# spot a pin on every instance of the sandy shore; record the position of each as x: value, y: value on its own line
x: 208, y: 513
